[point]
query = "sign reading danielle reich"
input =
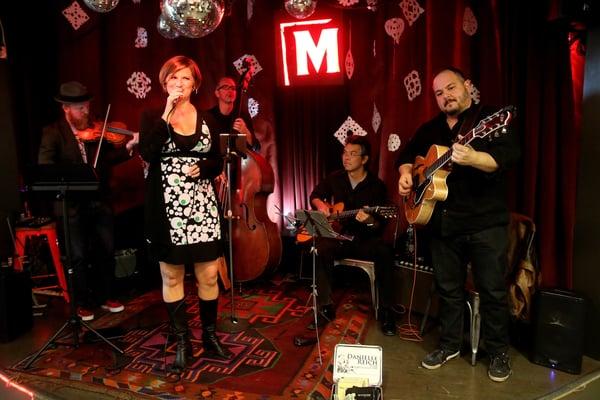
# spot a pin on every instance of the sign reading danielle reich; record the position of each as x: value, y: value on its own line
x: 358, y: 361
x: 310, y: 51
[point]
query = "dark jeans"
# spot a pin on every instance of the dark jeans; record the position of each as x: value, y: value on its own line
x: 91, y: 231
x: 486, y: 251
x: 373, y: 249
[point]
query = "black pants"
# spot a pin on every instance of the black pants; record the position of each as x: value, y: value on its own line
x: 486, y: 251
x: 91, y: 231
x: 374, y: 249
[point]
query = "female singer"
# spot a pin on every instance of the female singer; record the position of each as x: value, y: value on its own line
x: 182, y: 217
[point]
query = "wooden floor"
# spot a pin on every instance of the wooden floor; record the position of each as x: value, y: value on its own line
x: 403, y: 377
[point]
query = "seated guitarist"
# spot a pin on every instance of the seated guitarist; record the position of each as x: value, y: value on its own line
x: 470, y: 225
x: 355, y: 187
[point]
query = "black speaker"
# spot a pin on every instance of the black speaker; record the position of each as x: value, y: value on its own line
x: 559, y: 327
x: 16, y: 315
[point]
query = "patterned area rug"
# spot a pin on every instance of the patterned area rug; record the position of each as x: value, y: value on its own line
x: 266, y: 364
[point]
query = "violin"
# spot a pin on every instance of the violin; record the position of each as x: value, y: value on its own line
x: 115, y: 133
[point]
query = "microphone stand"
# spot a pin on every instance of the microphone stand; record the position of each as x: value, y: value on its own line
x: 231, y: 324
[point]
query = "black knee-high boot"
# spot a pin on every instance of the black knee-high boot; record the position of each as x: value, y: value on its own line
x: 179, y: 330
x: 210, y: 340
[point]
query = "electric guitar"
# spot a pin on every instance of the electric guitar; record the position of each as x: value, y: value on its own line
x: 337, y: 213
x: 429, y: 173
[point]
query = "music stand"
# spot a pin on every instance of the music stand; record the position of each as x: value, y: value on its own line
x: 316, y: 225
x: 232, y: 147
x: 75, y: 178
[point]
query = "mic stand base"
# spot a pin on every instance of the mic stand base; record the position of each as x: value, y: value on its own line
x: 232, y: 324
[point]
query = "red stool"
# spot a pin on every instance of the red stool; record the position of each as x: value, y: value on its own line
x: 49, y: 230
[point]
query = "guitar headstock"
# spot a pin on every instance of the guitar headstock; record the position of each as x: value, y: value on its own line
x: 495, y: 124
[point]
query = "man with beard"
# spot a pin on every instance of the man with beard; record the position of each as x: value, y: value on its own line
x: 90, y: 219
x: 224, y: 113
x: 470, y: 226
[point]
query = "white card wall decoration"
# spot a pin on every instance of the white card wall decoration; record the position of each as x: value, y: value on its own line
x: 138, y: 84
x: 75, y: 15
x: 372, y: 5
x: 394, y: 142
x: 239, y: 64
x: 349, y: 64
x: 469, y: 24
x: 394, y: 28
x: 249, y: 9
x: 474, y: 93
x: 253, y: 107
x: 141, y: 41
x: 348, y: 128
x: 376, y: 118
x: 412, y: 83
x: 411, y: 10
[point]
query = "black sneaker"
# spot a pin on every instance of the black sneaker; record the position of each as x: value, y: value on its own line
x: 438, y: 357
x: 499, y: 369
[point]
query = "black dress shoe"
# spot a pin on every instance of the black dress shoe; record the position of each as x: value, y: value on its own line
x: 388, y: 322
x: 325, y: 315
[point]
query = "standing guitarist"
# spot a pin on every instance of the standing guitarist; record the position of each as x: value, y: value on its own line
x: 355, y: 187
x: 470, y: 225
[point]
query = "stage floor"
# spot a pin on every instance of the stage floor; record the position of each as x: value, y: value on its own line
x: 403, y: 377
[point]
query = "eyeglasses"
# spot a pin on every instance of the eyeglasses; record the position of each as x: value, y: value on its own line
x: 351, y: 153
x: 226, y: 87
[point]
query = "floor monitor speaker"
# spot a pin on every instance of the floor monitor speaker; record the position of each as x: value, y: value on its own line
x: 559, y: 327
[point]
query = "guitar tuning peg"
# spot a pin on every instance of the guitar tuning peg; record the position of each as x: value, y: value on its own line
x: 504, y: 130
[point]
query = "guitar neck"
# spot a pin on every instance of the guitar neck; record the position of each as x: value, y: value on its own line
x: 351, y: 213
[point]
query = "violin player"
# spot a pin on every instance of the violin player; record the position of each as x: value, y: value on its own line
x: 91, y: 220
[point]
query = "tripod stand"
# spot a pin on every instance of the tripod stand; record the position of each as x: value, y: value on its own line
x: 232, y: 147
x: 74, y: 178
x: 316, y: 225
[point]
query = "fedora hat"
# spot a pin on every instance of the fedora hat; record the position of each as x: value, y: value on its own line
x: 72, y: 93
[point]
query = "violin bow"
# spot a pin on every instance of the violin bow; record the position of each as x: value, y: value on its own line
x: 101, y: 136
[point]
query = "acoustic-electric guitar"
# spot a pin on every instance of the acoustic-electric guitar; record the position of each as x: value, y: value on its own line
x: 429, y: 173
x: 337, y: 213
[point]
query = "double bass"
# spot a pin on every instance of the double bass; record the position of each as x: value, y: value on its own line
x: 255, y: 239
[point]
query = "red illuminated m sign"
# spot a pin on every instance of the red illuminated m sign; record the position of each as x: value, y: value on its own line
x: 310, y: 52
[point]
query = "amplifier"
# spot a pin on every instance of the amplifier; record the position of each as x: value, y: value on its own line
x: 16, y: 315
x: 424, y: 288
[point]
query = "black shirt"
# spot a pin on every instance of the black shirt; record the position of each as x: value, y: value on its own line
x: 371, y: 191
x: 224, y: 124
x: 476, y: 199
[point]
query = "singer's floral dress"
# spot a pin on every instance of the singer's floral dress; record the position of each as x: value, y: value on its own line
x: 182, y: 213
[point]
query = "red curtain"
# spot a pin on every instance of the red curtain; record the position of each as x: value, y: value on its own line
x: 511, y: 50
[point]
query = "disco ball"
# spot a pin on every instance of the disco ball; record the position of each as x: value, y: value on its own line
x: 194, y: 18
x: 101, y: 5
x: 165, y: 29
x: 300, y: 8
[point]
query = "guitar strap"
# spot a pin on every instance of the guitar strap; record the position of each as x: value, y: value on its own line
x: 469, y: 122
